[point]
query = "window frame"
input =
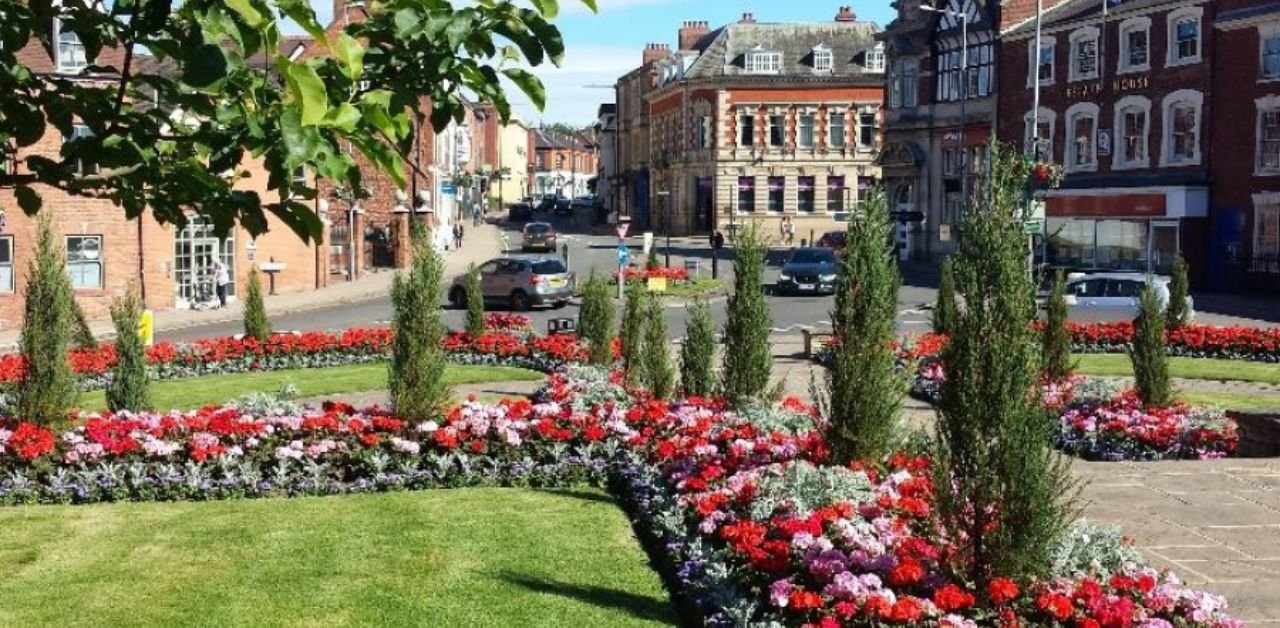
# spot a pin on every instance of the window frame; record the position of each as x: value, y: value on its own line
x: 1194, y: 99
x: 761, y: 61
x: 1124, y: 106
x: 875, y: 59
x: 1256, y: 240
x: 746, y: 122
x: 904, y: 84
x: 1172, y: 21
x: 863, y: 128
x: 824, y: 60
x: 1047, y: 116
x: 811, y: 199
x: 842, y: 127
x: 9, y: 286
x: 98, y: 261
x: 1071, y: 155
x: 781, y: 128
x: 812, y: 117
x: 746, y: 190
x: 82, y: 168
x: 1034, y: 60
x: 1268, y: 33
x: 1127, y: 28
x: 1266, y: 105
x: 60, y: 62
x: 836, y: 203
x: 778, y: 205
x: 1078, y: 38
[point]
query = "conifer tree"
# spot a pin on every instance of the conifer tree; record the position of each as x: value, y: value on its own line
x: 83, y: 335
x: 633, y: 332
x: 595, y: 320
x: 749, y: 362
x: 864, y: 388
x: 1055, y: 340
x: 1003, y: 494
x: 256, y: 323
x: 697, y: 355
x: 129, y: 385
x: 47, y: 390
x: 659, y: 377
x: 652, y: 262
x: 944, y: 310
x: 1147, y: 352
x: 1177, y: 312
x: 416, y: 377
x: 475, y: 303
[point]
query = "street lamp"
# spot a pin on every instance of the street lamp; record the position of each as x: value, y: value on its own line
x: 964, y: 96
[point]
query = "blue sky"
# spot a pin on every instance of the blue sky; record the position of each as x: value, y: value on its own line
x: 606, y: 45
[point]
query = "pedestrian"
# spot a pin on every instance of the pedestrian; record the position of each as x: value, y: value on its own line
x: 457, y: 236
x: 788, y: 231
x: 477, y: 216
x: 221, y: 279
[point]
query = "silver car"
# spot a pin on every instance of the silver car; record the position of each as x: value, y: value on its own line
x: 1105, y: 297
x: 520, y: 283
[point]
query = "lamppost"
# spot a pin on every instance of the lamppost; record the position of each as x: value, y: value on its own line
x: 964, y: 96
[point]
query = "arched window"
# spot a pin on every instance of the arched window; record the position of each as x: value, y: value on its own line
x: 1133, y: 125
x: 1040, y: 144
x: 1135, y: 45
x: 1181, y: 145
x: 1084, y: 54
x: 1184, y: 36
x: 1082, y: 138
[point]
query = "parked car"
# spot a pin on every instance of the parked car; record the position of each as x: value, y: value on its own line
x: 538, y: 236
x: 520, y: 283
x: 546, y: 203
x: 520, y: 212
x: 834, y: 240
x: 809, y: 270
x: 1106, y: 297
x: 585, y: 201
x: 563, y: 206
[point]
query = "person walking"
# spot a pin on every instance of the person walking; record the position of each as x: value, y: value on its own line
x: 788, y: 231
x: 457, y: 236
x: 221, y: 279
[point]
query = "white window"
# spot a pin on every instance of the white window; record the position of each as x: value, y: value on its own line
x: 1184, y: 36
x: 1133, y: 126
x: 835, y: 133
x: 84, y: 261
x: 1135, y: 45
x: 71, y: 53
x: 1084, y: 54
x: 1041, y: 62
x: 760, y: 61
x: 1266, y: 235
x: 1040, y: 145
x: 1082, y: 137
x: 1268, y: 160
x: 875, y: 59
x: 777, y: 130
x: 823, y: 59
x: 82, y: 167
x: 6, y: 264
x: 1269, y: 43
x: 1181, y: 145
x: 903, y: 87
x: 867, y: 129
x: 806, y: 137
x: 746, y: 130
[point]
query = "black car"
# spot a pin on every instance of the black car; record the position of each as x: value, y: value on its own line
x: 809, y: 270
x: 834, y: 240
x: 547, y: 203
x: 563, y: 206
x: 520, y: 212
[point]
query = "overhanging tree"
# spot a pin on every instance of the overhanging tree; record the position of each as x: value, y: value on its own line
x: 748, y: 362
x: 368, y: 85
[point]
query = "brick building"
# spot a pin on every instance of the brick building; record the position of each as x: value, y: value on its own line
x: 933, y: 154
x: 107, y: 253
x: 562, y: 164
x: 1244, y: 242
x: 760, y: 121
x: 1125, y: 108
x: 631, y: 178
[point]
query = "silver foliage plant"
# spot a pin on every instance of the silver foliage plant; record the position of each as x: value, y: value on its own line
x: 799, y: 488
x: 1093, y: 549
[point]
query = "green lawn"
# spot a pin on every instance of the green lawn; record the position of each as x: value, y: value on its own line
x: 1185, y: 368
x: 1233, y: 401
x: 195, y: 392
x: 474, y: 557
x: 694, y: 288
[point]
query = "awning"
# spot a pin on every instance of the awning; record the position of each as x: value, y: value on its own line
x: 1172, y: 202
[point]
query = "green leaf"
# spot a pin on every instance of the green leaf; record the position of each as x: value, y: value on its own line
x: 307, y: 90
x: 529, y: 84
x: 302, y: 144
x: 28, y: 200
x: 591, y: 4
x: 252, y: 16
x: 205, y: 67
x: 344, y: 117
x: 301, y: 12
x: 548, y: 8
x: 351, y: 56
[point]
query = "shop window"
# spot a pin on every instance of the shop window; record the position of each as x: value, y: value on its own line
x: 835, y: 194
x: 1082, y: 144
x: 1184, y: 36
x: 746, y: 130
x: 1040, y: 144
x: 84, y: 261
x: 806, y: 130
x: 1270, y: 47
x: 1042, y: 61
x: 1084, y: 54
x: 777, y: 189
x: 1070, y: 242
x: 805, y: 193
x: 6, y: 264
x: 835, y: 134
x: 1135, y: 37
x: 867, y: 130
x: 1269, y: 136
x: 777, y: 131
x: 1122, y: 244
x: 1133, y: 117
x: 1182, y: 128
x: 1266, y: 237
x: 746, y: 194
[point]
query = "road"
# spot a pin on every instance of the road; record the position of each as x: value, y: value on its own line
x: 589, y: 252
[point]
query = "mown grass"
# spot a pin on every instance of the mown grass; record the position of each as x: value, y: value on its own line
x: 1118, y: 365
x: 694, y: 288
x: 474, y: 557
x: 1233, y: 401
x: 195, y: 392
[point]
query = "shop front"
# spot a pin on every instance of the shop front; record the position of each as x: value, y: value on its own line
x: 1124, y: 230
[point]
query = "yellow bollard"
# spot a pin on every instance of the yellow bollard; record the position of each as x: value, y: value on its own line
x: 147, y: 328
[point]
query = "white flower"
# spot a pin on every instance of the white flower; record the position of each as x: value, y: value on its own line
x: 428, y: 427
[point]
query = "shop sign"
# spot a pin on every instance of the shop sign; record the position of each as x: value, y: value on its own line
x: 944, y: 233
x: 1104, y: 142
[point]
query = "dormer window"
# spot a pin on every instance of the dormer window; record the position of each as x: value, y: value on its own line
x: 823, y: 59
x: 761, y: 61
x: 875, y: 59
x: 71, y: 54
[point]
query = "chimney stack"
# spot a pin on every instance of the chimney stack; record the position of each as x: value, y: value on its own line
x: 748, y: 18
x: 846, y: 14
x: 691, y: 33
x: 655, y: 52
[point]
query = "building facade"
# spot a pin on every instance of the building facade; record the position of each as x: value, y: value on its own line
x: 606, y: 130
x: 563, y: 163
x: 632, y: 178
x: 513, y: 162
x: 1125, y: 109
x: 761, y: 122
x: 1244, y: 231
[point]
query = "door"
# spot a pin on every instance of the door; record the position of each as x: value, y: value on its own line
x: 1122, y: 299
x: 1164, y: 247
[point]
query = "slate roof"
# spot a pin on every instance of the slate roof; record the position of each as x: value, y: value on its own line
x: 723, y: 52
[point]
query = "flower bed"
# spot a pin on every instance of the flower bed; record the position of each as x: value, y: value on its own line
x: 672, y: 275
x: 748, y: 524
x: 1110, y: 425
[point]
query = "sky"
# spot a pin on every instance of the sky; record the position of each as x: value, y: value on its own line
x: 600, y: 47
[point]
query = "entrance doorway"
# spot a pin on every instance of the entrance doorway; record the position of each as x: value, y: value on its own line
x: 194, y: 251
x: 1164, y: 247
x: 703, y: 204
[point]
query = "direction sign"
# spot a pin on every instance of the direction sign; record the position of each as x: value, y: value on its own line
x: 624, y: 255
x: 622, y: 230
x: 1033, y: 227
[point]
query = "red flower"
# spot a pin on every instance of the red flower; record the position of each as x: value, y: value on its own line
x: 30, y: 441
x: 952, y: 598
x: 846, y: 609
x: 906, y: 610
x: 877, y: 606
x: 369, y: 440
x: 908, y: 572
x: 1002, y: 591
x: 802, y: 601
x: 1056, y: 605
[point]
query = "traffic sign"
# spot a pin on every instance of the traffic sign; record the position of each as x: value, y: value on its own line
x: 624, y: 255
x: 622, y: 230
x: 1033, y: 227
x: 447, y: 188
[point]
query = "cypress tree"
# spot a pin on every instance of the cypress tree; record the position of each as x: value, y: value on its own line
x: 865, y: 389
x: 659, y: 377
x: 1004, y: 495
x: 652, y: 262
x: 746, y: 368
x: 595, y: 320
x: 129, y: 385
x: 475, y: 303
x: 83, y: 335
x: 944, y: 310
x: 1147, y: 352
x: 633, y: 333
x: 698, y: 352
x: 256, y: 324
x: 416, y: 375
x: 1055, y: 340
x: 1177, y: 313
x: 47, y: 390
